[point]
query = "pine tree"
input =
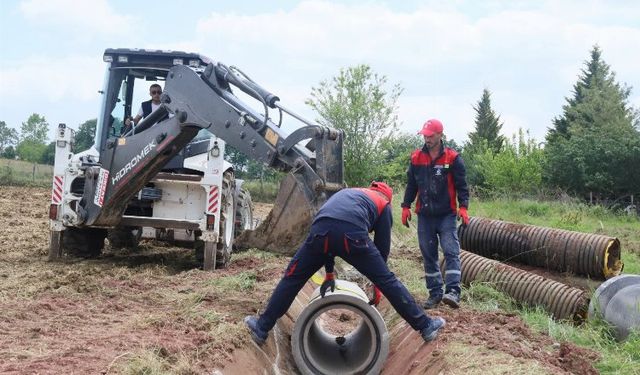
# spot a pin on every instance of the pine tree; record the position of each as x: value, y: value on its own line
x: 488, y: 126
x: 593, y: 144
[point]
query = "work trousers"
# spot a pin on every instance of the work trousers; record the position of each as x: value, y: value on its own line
x: 430, y: 230
x: 329, y: 238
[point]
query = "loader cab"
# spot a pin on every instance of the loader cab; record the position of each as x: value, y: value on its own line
x: 129, y: 74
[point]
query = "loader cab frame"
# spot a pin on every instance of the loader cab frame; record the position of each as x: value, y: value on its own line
x: 129, y: 74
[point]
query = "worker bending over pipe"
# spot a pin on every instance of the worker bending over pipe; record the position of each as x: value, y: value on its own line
x: 341, y: 228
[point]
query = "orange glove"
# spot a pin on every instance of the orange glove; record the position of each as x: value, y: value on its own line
x: 406, y: 216
x: 462, y: 213
x: 376, y: 296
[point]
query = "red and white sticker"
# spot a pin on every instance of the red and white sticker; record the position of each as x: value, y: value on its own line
x: 56, y: 191
x: 101, y: 187
x: 212, y: 200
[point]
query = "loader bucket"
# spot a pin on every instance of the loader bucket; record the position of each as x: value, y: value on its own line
x: 287, y: 225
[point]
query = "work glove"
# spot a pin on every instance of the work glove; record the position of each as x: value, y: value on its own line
x: 406, y: 216
x: 462, y: 214
x: 329, y: 282
x: 376, y: 295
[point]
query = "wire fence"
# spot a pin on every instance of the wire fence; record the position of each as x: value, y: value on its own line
x: 20, y: 172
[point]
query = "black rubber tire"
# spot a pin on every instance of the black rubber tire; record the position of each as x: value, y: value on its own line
x: 84, y: 242
x: 124, y: 237
x: 225, y: 247
x: 244, y: 212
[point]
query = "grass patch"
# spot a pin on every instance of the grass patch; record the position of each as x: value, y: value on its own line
x: 23, y: 173
x: 483, y: 297
x: 463, y: 359
x: 616, y: 358
x: 157, y: 361
x: 243, y: 281
x: 262, y: 191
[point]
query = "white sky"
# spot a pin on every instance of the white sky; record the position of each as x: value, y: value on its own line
x: 443, y: 53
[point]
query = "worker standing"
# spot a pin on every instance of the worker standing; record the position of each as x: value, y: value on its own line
x: 436, y: 175
x: 341, y: 228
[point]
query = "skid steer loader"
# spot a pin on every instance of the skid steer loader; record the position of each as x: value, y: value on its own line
x: 166, y: 177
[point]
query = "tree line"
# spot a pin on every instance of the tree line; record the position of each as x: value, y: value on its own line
x: 591, y: 149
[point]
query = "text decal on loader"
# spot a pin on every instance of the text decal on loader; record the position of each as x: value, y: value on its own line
x: 135, y: 160
x: 101, y: 187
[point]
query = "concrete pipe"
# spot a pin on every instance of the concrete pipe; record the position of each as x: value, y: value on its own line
x: 593, y: 255
x: 340, y: 334
x: 617, y: 301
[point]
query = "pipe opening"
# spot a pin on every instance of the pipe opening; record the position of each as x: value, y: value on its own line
x: 612, y: 263
x: 340, y: 338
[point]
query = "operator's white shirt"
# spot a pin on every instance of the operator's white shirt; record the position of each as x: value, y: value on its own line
x: 154, y: 106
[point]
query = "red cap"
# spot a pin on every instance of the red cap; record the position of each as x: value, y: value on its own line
x: 382, y: 188
x: 431, y: 127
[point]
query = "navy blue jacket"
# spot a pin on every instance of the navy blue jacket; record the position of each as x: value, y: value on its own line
x: 436, y: 183
x: 365, y: 209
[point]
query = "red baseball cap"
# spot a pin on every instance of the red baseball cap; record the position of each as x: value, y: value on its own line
x: 431, y: 127
x: 382, y: 188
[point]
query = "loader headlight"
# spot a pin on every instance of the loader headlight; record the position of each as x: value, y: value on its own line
x: 178, y: 62
x: 123, y: 59
x: 61, y: 143
x: 194, y: 63
x: 107, y: 58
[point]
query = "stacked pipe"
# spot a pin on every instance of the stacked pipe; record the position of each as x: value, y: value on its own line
x: 593, y: 255
x: 562, y: 301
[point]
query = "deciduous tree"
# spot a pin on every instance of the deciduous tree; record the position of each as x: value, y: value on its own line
x: 358, y: 101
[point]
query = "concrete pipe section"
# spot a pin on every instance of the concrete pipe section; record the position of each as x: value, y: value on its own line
x: 617, y: 301
x: 340, y: 333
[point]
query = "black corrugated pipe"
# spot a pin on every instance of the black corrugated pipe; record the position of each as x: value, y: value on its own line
x: 562, y: 301
x: 593, y: 255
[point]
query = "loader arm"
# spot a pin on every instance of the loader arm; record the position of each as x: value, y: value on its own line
x: 195, y: 101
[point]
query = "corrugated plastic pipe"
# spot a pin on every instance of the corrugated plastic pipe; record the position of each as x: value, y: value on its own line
x: 562, y: 301
x: 617, y: 301
x: 361, y: 351
x: 593, y: 255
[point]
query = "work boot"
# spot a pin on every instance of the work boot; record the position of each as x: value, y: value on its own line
x: 430, y: 332
x: 452, y: 299
x: 258, y: 335
x: 432, y: 302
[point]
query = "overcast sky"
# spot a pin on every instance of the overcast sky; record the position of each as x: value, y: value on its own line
x: 443, y: 53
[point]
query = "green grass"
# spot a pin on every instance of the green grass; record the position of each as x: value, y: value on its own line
x: 262, y: 192
x: 616, y: 357
x: 23, y: 173
x: 241, y: 281
x: 565, y: 215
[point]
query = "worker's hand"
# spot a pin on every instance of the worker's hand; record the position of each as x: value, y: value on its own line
x: 462, y: 214
x: 127, y: 121
x: 329, y: 282
x: 406, y: 216
x: 376, y: 296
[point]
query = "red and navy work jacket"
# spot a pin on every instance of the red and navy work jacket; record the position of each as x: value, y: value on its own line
x: 365, y: 208
x: 436, y: 183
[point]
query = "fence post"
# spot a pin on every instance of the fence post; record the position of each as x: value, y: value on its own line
x: 33, y: 173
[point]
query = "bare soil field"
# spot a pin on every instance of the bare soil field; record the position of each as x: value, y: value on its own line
x: 152, y: 311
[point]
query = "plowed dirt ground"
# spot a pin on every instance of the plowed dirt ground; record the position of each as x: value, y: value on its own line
x: 152, y: 309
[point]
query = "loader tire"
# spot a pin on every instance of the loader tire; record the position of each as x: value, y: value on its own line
x: 84, y: 242
x: 124, y: 237
x: 244, y: 212
x: 227, y: 220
